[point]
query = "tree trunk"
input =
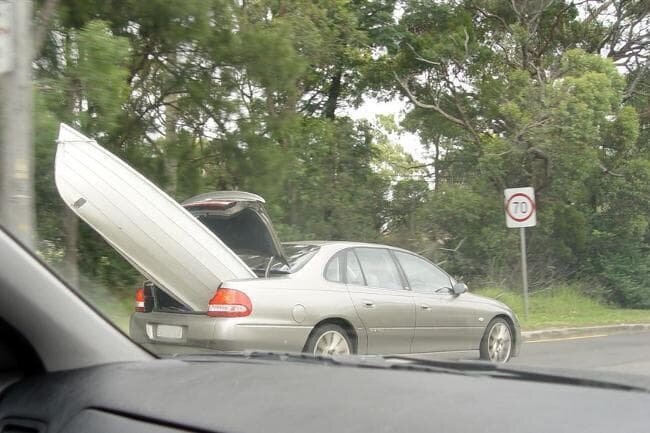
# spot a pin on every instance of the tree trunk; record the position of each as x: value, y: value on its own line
x: 44, y: 17
x: 333, y: 96
x: 71, y: 255
x: 171, y: 148
x: 436, y: 163
x: 171, y: 170
x: 69, y: 219
x: 293, y: 205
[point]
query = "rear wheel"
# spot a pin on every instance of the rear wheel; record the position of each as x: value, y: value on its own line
x: 496, y: 345
x: 328, y: 340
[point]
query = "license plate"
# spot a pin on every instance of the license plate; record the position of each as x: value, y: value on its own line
x: 169, y: 331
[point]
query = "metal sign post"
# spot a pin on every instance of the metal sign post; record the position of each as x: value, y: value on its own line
x: 524, y: 268
x: 521, y: 212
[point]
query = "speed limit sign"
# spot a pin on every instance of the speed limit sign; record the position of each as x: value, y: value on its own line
x: 520, y: 207
x: 519, y: 204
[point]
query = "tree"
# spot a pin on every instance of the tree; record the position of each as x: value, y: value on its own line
x: 517, y: 93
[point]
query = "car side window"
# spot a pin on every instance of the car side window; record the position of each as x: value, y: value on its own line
x: 353, y: 272
x: 422, y: 276
x: 333, y: 269
x: 379, y: 268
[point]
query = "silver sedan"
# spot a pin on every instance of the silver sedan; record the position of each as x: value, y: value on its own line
x: 335, y: 298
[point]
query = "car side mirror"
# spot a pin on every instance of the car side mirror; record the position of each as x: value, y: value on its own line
x: 459, y: 288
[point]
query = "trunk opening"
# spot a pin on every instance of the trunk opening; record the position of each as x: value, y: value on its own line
x: 297, y: 256
x: 244, y: 232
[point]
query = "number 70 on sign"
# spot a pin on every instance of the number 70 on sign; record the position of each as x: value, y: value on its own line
x: 520, y: 208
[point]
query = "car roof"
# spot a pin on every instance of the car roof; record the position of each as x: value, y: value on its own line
x: 342, y: 244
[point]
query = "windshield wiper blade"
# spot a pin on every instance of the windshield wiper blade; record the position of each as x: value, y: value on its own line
x: 258, y: 355
x: 484, y: 368
x: 396, y: 362
x: 371, y: 361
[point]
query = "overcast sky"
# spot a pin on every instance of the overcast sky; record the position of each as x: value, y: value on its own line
x: 372, y: 108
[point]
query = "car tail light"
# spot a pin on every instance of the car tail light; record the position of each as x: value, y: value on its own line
x: 139, y: 300
x: 229, y: 303
x: 144, y: 298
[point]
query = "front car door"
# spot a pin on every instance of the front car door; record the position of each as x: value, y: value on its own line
x: 444, y: 322
x: 384, y: 305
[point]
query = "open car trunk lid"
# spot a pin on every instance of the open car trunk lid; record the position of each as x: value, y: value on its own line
x: 239, y: 219
x: 152, y: 231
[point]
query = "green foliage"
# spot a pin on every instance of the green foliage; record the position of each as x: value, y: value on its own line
x: 519, y: 96
x: 101, y: 75
x: 48, y: 203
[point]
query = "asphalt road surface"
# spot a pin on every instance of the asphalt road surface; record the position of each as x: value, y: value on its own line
x: 621, y: 353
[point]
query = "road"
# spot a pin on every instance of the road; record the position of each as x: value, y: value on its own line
x: 621, y: 353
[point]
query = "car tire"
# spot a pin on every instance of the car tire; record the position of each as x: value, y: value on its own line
x: 497, y: 342
x: 328, y: 340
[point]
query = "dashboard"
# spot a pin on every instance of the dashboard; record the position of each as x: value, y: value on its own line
x: 214, y: 394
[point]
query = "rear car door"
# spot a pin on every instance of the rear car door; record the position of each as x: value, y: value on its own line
x: 384, y: 305
x: 444, y: 322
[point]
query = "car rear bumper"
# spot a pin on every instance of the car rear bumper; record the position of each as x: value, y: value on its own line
x: 195, y: 333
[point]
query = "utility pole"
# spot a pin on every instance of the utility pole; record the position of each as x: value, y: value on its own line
x: 17, y: 207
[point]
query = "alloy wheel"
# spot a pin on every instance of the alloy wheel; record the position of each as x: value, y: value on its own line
x: 331, y: 343
x: 499, y: 343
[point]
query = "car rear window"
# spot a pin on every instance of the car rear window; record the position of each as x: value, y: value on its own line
x: 297, y: 256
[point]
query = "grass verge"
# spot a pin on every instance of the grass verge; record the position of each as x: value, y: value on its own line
x: 564, y: 306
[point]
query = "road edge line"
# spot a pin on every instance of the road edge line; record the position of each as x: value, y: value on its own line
x: 584, y: 331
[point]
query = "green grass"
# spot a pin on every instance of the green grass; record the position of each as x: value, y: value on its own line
x: 564, y: 306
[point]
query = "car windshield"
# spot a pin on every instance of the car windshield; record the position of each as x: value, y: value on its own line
x: 457, y: 179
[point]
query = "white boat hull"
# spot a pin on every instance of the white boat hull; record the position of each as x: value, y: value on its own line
x: 146, y: 226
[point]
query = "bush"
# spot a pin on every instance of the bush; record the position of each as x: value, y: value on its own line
x: 626, y: 279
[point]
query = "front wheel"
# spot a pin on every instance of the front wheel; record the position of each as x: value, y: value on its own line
x: 496, y: 344
x: 328, y: 340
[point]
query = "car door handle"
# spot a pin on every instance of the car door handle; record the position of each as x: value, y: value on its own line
x: 368, y: 304
x: 425, y: 307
